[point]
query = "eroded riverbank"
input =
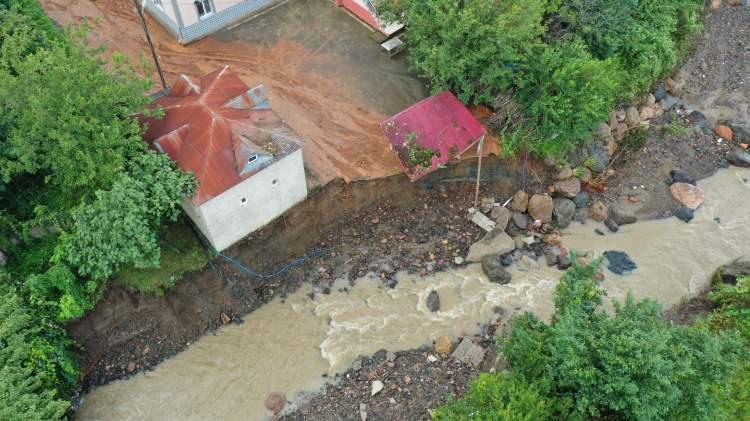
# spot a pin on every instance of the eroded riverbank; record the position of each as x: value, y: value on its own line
x: 287, y: 346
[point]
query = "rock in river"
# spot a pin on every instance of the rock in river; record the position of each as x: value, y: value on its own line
x: 619, y: 262
x: 738, y: 157
x: 433, y: 301
x: 729, y: 273
x: 689, y: 195
x: 495, y: 242
x: 492, y: 266
x: 444, y: 345
x: 275, y: 402
x: 680, y: 176
x: 684, y: 214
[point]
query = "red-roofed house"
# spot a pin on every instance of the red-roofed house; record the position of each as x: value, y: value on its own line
x: 248, y: 162
x: 432, y: 132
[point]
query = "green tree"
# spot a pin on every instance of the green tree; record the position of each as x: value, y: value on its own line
x: 565, y: 93
x: 121, y: 225
x: 30, y: 365
x: 471, y: 47
x: 65, y: 116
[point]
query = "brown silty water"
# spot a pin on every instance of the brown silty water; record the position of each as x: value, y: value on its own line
x: 288, y: 346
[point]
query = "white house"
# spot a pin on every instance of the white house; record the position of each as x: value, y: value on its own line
x: 191, y: 20
x: 248, y: 162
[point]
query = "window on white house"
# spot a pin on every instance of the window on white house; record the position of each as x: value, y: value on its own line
x: 252, y: 159
x: 204, y: 8
x: 158, y: 4
x: 275, y: 182
x: 243, y: 201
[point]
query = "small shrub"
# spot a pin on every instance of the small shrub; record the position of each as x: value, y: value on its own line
x: 498, y: 397
x: 180, y: 253
x: 416, y: 154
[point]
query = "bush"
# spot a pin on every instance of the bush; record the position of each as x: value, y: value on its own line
x: 121, y: 225
x: 645, y: 36
x: 733, y: 314
x: 498, y: 396
x: 472, y: 47
x: 566, y: 93
x: 588, y: 364
x: 36, y: 370
x: 180, y: 253
x: 633, y: 365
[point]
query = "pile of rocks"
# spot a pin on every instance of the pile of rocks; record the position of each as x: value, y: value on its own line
x: 524, y: 229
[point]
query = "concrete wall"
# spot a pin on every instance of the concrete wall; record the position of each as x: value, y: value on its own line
x: 225, y: 219
x: 182, y: 17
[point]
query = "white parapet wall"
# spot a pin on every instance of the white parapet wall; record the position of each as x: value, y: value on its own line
x: 251, y: 204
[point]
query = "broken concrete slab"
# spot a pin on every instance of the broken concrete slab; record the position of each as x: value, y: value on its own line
x: 495, y: 242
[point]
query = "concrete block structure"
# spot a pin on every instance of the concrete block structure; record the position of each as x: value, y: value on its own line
x: 191, y: 20
x: 247, y: 161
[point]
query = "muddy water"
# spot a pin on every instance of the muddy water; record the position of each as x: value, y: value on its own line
x: 288, y: 346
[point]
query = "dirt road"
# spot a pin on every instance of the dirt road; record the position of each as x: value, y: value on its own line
x: 325, y: 107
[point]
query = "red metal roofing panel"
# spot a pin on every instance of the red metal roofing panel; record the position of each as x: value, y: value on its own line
x: 199, y: 130
x: 440, y: 123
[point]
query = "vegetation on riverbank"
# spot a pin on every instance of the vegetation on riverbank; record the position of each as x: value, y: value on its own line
x: 82, y: 197
x: 566, y: 62
x: 631, y: 365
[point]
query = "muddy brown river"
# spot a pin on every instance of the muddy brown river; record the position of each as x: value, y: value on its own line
x: 288, y: 346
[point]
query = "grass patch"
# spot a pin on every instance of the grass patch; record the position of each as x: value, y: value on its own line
x: 180, y: 253
x: 676, y: 128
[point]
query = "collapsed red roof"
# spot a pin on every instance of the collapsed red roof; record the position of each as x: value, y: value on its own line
x: 440, y: 124
x: 215, y: 127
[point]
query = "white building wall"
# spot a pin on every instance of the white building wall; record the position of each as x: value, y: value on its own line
x: 225, y: 219
x: 190, y: 13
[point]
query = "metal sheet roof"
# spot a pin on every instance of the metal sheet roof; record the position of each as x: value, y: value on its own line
x: 440, y: 123
x: 213, y: 125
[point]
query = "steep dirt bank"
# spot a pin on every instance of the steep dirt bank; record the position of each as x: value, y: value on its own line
x: 383, y: 225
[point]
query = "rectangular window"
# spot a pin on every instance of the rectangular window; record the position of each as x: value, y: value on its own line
x: 204, y: 8
x: 158, y: 4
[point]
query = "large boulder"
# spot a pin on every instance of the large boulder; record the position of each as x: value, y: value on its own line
x: 619, y: 262
x: 520, y: 201
x: 689, y: 195
x: 501, y: 216
x: 540, y: 208
x: 738, y: 157
x: 492, y: 265
x: 569, y: 187
x: 433, y: 301
x: 741, y: 131
x: 495, y: 242
x: 564, y: 211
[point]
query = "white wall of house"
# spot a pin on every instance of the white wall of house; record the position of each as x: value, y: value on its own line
x: 190, y: 13
x: 226, y: 218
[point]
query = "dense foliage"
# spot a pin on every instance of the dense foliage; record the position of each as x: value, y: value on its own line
x: 587, y: 363
x: 34, y: 363
x: 733, y: 314
x: 80, y: 197
x: 568, y: 61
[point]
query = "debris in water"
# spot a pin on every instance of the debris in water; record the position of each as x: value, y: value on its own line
x: 433, y: 301
x: 275, y: 402
x: 619, y: 262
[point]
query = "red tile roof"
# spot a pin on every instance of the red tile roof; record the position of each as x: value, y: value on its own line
x: 440, y: 123
x: 212, y: 125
